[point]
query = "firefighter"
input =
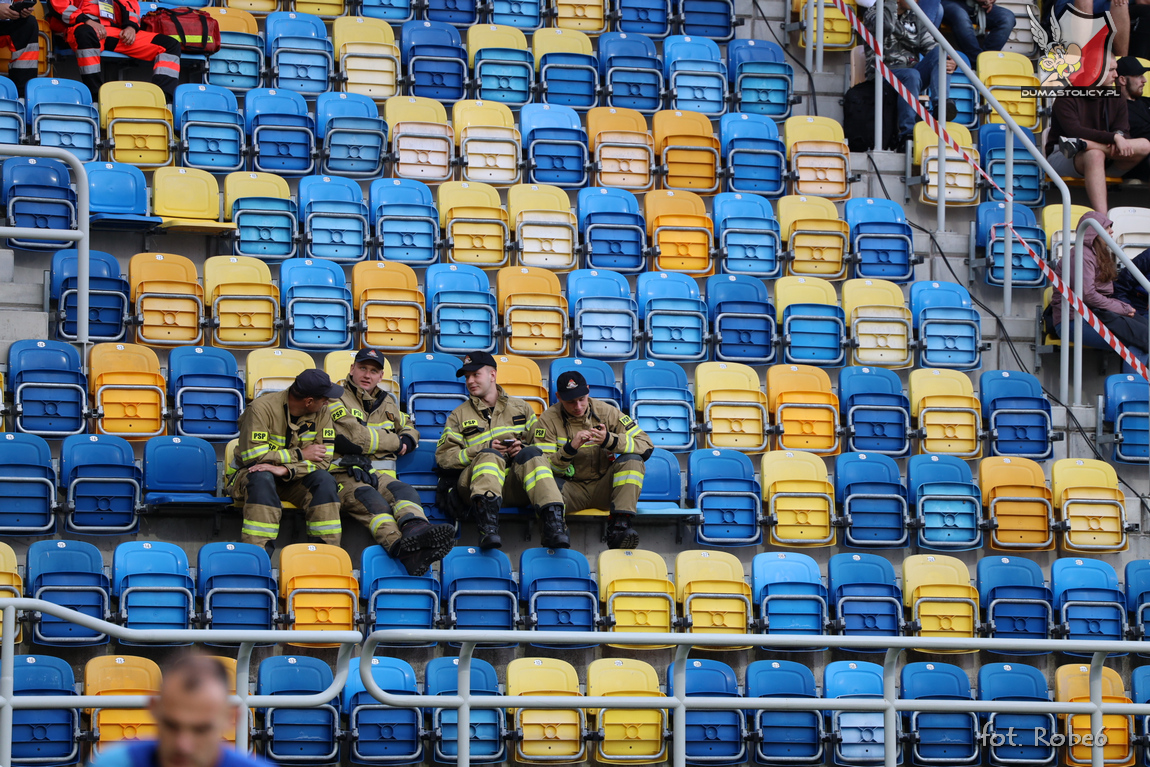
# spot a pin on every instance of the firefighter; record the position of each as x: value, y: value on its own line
x: 23, y: 34
x: 370, y: 433
x: 597, y: 454
x: 487, y: 441
x: 285, y: 447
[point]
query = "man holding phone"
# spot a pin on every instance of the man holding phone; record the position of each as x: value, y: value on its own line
x: 18, y: 24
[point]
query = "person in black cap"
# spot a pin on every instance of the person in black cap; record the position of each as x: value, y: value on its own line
x: 285, y: 448
x: 1132, y: 81
x: 597, y: 452
x: 487, y: 447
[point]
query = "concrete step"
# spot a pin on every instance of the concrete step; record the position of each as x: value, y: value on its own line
x: 20, y: 324
x: 21, y: 295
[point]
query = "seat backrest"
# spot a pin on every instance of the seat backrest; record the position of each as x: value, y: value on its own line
x: 180, y: 464
x: 548, y: 40
x: 144, y: 558
x: 55, y: 90
x: 117, y: 94
x: 858, y: 568
x: 121, y: 674
x: 348, y: 30
x: 96, y: 455
x: 234, y: 270
x: 769, y: 568
x: 529, y: 197
x: 314, y: 189
x: 292, y: 674
x: 852, y: 679
x: 616, y: 564
x: 464, y: 194
x: 640, y: 374
x: 595, y: 283
x: 870, y: 292
x: 329, y: 106
x: 168, y: 268
x: 727, y: 205
x: 442, y: 675
x: 529, y: 676
x: 812, y: 128
x: 417, y: 109
x: 1079, y: 572
x: 994, y: 571
x: 1011, y: 681
x: 391, y: 674
x: 803, y: 290
x: 613, y: 119
x: 202, y: 98
x: 244, y: 183
x: 537, y: 564
x: 271, y: 370
x: 485, y: 36
x: 222, y: 559
x: 26, y: 450
x: 668, y: 123
x: 41, y: 358
x: 998, y: 470
x: 234, y: 20
x: 662, y: 483
x: 470, y: 562
x: 784, y: 379
x: 43, y: 675
x: 293, y: 24
x: 608, y: 676
x: 63, y: 557
x: 110, y: 359
x: 728, y: 376
x: 706, y: 566
x: 624, y: 44
x: 186, y: 193
x: 932, y: 569
x: 117, y: 188
x: 867, y: 380
x: 304, y: 559
x: 598, y: 374
x: 934, y: 680
x: 533, y: 117
x: 35, y: 171
x: 779, y: 678
x: 201, y: 360
x: 455, y: 277
x: 864, y: 468
x: 656, y: 285
x: 671, y: 203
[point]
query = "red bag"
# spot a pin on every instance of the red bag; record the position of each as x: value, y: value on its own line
x: 197, y: 31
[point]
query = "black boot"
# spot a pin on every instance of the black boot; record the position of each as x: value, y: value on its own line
x: 422, y: 544
x: 620, y: 534
x: 485, y: 512
x: 554, y: 527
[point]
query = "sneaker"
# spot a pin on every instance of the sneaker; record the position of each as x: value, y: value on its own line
x: 1070, y: 146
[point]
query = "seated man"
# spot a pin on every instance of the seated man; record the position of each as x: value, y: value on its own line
x: 1132, y: 82
x: 93, y: 26
x: 24, y: 41
x: 284, y: 450
x: 961, y: 15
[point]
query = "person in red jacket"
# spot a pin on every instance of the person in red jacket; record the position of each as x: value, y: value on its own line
x: 94, y: 26
x: 24, y: 42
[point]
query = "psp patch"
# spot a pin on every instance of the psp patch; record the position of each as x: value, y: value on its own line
x: 625, y: 420
x: 540, y: 433
x: 339, y: 413
x: 329, y: 433
x: 259, y: 436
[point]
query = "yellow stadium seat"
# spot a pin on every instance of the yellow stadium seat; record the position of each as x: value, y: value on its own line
x: 838, y: 34
x: 474, y: 223
x: 636, y: 593
x: 937, y: 591
x: 229, y: 665
x: 817, y: 239
x: 11, y: 584
x: 546, y: 736
x: 481, y: 36
x: 880, y: 323
x: 337, y: 365
x: 799, y: 501
x: 680, y: 229
x: 1072, y: 685
x: 732, y: 406
x: 545, y: 227
x: 959, y: 177
x: 121, y: 675
x: 804, y: 408
x: 128, y: 390
x: 422, y: 143
x: 488, y: 141
x: 521, y: 377
x: 318, y: 589
x: 389, y: 306
x: 137, y: 124
x: 534, y: 312
x: 948, y: 414
x: 369, y: 62
x: 259, y: 8
x: 271, y: 370
x: 587, y: 16
x: 167, y: 299
x: 244, y: 303
x: 1017, y: 503
x: 1088, y: 499
x: 819, y: 157
x: 243, y: 183
x: 626, y: 736
x: 188, y: 199
x: 234, y: 20
x: 1052, y: 223
x: 622, y: 148
x: 713, y: 593
x: 325, y: 9
x: 688, y: 150
x: 1005, y: 74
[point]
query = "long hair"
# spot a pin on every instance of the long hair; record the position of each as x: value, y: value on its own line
x: 1105, y: 263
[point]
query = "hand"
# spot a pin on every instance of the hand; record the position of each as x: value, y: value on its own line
x: 1122, y: 147
x: 403, y: 448
x: 582, y: 438
x: 513, y: 450
x: 499, y: 447
x: 986, y: 4
x: 951, y: 66
x: 363, y: 477
x: 276, y: 469
x: 7, y: 14
x: 1128, y: 310
x: 101, y: 33
x: 127, y: 35
x: 314, y: 453
x: 599, y: 434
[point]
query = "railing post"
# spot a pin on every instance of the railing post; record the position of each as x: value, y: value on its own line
x: 463, y: 713
x: 940, y: 115
x: 889, y: 713
x: 243, y: 675
x: 809, y: 34
x: 1097, y: 661
x: 7, y: 683
x: 1008, y: 277
x: 819, y: 40
x: 879, y: 21
x: 679, y: 715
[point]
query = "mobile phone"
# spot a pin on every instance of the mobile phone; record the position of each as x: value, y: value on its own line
x: 507, y: 442
x: 22, y: 5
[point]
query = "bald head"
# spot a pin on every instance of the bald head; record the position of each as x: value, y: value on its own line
x: 192, y: 712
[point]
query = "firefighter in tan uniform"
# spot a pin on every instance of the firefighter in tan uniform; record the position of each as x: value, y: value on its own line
x: 488, y: 441
x: 285, y: 447
x: 370, y: 433
x: 597, y: 454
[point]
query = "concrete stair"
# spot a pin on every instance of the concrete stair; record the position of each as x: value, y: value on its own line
x: 22, y: 314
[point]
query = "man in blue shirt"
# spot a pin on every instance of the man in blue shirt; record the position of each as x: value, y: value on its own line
x: 192, y: 718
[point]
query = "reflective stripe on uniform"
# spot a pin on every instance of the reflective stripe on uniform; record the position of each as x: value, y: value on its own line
x: 627, y: 478
x: 325, y: 527
x: 261, y: 529
x: 380, y: 519
x: 541, y: 472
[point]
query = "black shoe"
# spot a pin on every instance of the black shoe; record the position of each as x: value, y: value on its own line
x: 554, y: 527
x: 430, y: 542
x: 1070, y: 146
x: 416, y: 561
x: 485, y: 512
x: 951, y: 110
x: 620, y: 534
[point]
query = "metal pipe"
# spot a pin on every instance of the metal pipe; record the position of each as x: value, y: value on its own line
x: 463, y: 715
x: 890, y: 714
x: 1096, y: 752
x: 7, y: 683
x: 819, y: 11
x: 1008, y: 289
x: 243, y: 674
x: 940, y: 115
x: 679, y: 715
x: 879, y: 21
x: 809, y: 35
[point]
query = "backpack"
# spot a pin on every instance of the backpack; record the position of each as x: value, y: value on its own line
x: 858, y: 117
x: 197, y: 31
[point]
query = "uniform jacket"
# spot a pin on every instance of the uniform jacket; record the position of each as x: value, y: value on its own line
x: 468, y: 432
x: 71, y: 12
x: 267, y: 435
x: 590, y: 461
x: 374, y: 422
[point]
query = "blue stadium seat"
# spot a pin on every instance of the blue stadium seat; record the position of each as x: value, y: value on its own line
x: 789, y: 593
x: 1137, y: 586
x: 28, y: 490
x: 118, y: 197
x: 746, y: 235
x: 108, y: 295
x: 696, y: 75
x: 881, y: 241
x: 36, y: 194
x: 521, y: 14
x: 966, y: 98
x: 935, y: 736
x: 208, y: 392
x: 405, y: 221
x: 316, y: 304
x: 281, y: 132
x: 784, y: 737
x: 655, y: 394
x: 1016, y: 682
x: 307, y: 736
x: 211, y: 128
x: 721, y: 484
x: 237, y: 587
x: 558, y: 592
x: 813, y: 325
x: 503, y: 73
x: 858, y: 736
x: 392, y: 11
x: 1016, y: 414
x: 613, y: 231
x: 662, y: 493
x: 430, y: 391
x: 713, y: 737
x: 631, y: 72
x: 874, y: 410
x: 101, y: 483
x: 418, y: 469
x: 945, y: 502
x: 1140, y: 693
x: 872, y: 499
x: 707, y: 18
x: 436, y: 60
x: 864, y: 596
x: 351, y: 135
x: 556, y: 146
x: 742, y: 319
x: 604, y: 317
x: 564, y: 76
x: 1015, y: 601
x: 990, y: 235
x: 266, y: 227
x: 180, y: 473
x: 12, y: 113
x: 59, y: 114
x: 480, y: 593
x: 239, y: 63
x: 1029, y: 179
x: 599, y: 375
x: 948, y: 327
x: 1127, y: 408
x: 154, y: 586
x: 461, y: 308
x: 47, y: 737
x: 49, y: 388
x: 487, y: 724
x: 381, y: 734
x: 334, y: 218
x: 1089, y: 604
x: 299, y: 52
x: 644, y: 17
x: 394, y: 599
x: 754, y: 158
x: 673, y: 317
x: 761, y: 80
x: 70, y: 574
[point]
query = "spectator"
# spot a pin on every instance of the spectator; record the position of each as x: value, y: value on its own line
x: 283, y: 454
x: 961, y: 15
x: 192, y: 716
x: 94, y: 26
x: 599, y: 453
x: 370, y: 433
x: 1090, y: 138
x: 1132, y: 81
x: 487, y: 445
x: 24, y: 41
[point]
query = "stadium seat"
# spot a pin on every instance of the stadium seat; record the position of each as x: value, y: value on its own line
x: 546, y: 231
x: 733, y: 409
x: 461, y: 309
x: 817, y: 239
x: 488, y: 142
x: 798, y: 500
x: 813, y: 326
x: 520, y: 377
x: 1029, y: 179
x: 488, y: 725
x: 70, y: 574
x: 12, y: 125
x: 499, y: 54
x: 127, y: 389
x: 558, y: 592
x: 325, y: 9
x: 680, y: 233
x: 45, y: 737
x: 761, y: 80
x: 1137, y: 585
x: 389, y: 306
x: 1016, y: 413
x: 990, y: 235
x: 1052, y: 224
x: 1018, y: 504
x: 154, y: 587
x: 264, y: 213
x: 351, y: 136
x: 430, y: 390
x: 636, y: 592
x: 864, y: 596
x: 188, y: 200
x: 713, y: 737
x: 382, y: 733
x: 391, y: 11
x: 404, y: 221
x: 1072, y: 685
x: 28, y: 491
x: 281, y: 132
x: 604, y: 317
x: 656, y: 395
x: 167, y: 299
x: 236, y: 584
x: 475, y: 224
x: 790, y: 594
x: 299, y: 52
x: 210, y: 128
x: 753, y: 156
x: 612, y: 230
x: 873, y: 500
x: 1127, y: 408
x: 966, y: 100
x: 59, y: 114
x: 742, y: 319
x: 436, y: 61
x: 880, y: 323
x: 545, y: 736
x: 101, y: 484
x: 945, y: 503
x: 960, y: 179
x: 804, y: 409
x: 783, y: 736
x: 712, y: 591
x: 818, y: 155
x: 875, y: 412
x: 626, y: 736
x: 622, y: 149
x: 1090, y: 506
x: 107, y: 294
x: 534, y: 312
x: 418, y: 469
x: 939, y: 597
x: 368, y: 56
x: 334, y: 218
x: 673, y: 316
x: 118, y: 198
x: 37, y: 195
x: 630, y: 71
x: 298, y: 735
x: 937, y: 735
x: 318, y: 588
x: 746, y: 235
x: 180, y: 473
x: 120, y: 675
x: 1016, y: 682
x: 566, y: 69
x: 710, y: 18
x: 239, y: 63
x: 556, y: 146
x: 480, y: 592
x: 243, y: 301
x: 695, y: 75
x: 394, y: 599
x: 422, y: 143
x: 207, y: 392
x: 1015, y: 600
x: 317, y: 304
x: 688, y: 151
x: 1130, y: 231
x: 49, y: 389
x: 949, y: 329
x: 881, y: 241
x: 137, y: 124
x: 600, y: 378
x: 662, y: 493
x: 1005, y: 74
x: 652, y: 18
x: 948, y: 415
